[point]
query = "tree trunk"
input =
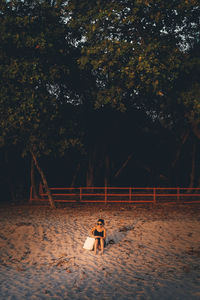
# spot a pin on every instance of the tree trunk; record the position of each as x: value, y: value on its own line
x: 90, y: 171
x: 175, y: 172
x: 196, y: 131
x: 192, y: 174
x: 107, y: 171
x: 51, y: 201
x: 33, y: 184
x: 123, y: 166
x: 75, y: 175
x: 90, y: 175
x: 196, y: 128
x: 183, y: 141
x: 198, y: 183
x: 8, y: 177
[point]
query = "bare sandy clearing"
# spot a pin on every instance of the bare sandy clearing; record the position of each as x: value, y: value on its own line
x: 154, y: 253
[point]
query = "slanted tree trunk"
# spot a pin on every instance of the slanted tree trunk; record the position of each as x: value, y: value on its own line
x: 33, y: 183
x: 51, y: 201
x: 123, y: 166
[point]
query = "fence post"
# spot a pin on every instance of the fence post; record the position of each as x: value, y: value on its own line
x: 178, y: 194
x: 80, y: 194
x: 129, y: 194
x: 105, y: 191
x: 154, y: 195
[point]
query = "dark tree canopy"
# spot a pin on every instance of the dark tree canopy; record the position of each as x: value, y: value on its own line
x: 102, y: 83
x: 135, y: 48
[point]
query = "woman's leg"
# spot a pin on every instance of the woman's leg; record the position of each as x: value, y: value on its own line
x: 102, y: 245
x: 95, y: 246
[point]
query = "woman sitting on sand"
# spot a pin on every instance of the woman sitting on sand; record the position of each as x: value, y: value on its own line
x: 99, y: 233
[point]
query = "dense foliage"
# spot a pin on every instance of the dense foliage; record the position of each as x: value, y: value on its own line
x: 37, y: 67
x: 112, y: 86
x: 135, y: 48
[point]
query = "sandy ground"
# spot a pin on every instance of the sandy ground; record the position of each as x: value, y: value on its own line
x: 153, y: 253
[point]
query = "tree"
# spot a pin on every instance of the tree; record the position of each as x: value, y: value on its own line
x: 133, y: 47
x: 61, y: 60
x: 36, y: 78
x: 138, y: 52
x: 184, y: 104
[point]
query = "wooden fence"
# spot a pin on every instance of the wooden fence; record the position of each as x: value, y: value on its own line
x: 121, y: 195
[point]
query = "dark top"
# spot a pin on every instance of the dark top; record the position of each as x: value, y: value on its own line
x: 98, y: 233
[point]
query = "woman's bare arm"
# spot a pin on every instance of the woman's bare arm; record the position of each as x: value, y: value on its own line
x: 93, y: 229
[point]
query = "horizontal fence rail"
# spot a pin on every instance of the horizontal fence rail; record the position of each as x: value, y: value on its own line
x: 120, y: 195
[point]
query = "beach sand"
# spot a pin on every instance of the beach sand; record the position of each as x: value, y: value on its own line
x: 152, y: 252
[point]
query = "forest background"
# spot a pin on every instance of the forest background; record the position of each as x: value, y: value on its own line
x: 99, y: 93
